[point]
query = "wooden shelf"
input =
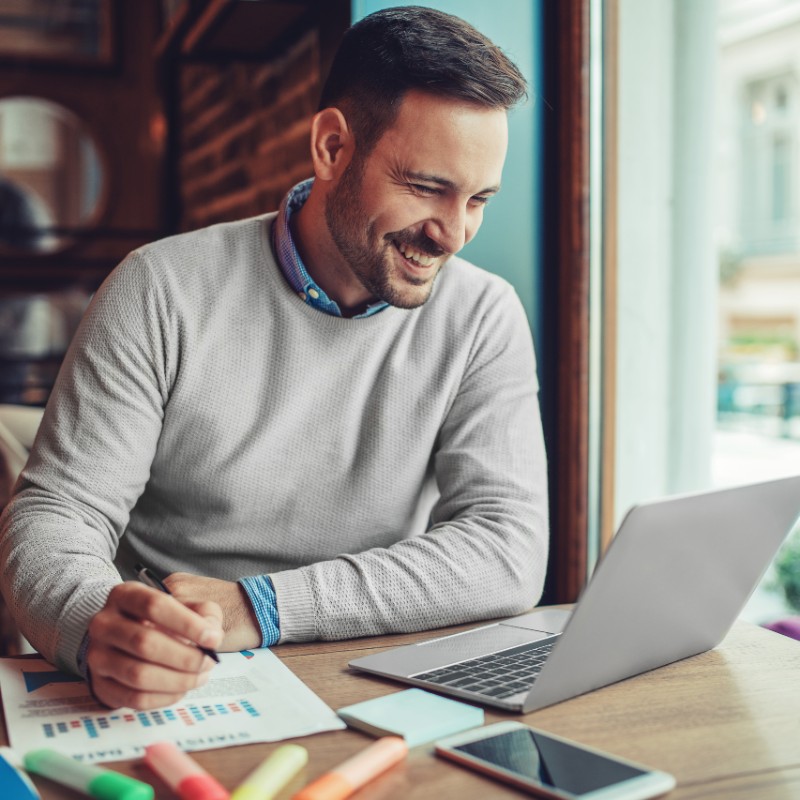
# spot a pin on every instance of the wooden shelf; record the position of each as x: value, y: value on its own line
x: 179, y: 23
x: 238, y: 28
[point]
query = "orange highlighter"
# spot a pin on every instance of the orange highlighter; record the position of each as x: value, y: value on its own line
x: 352, y: 774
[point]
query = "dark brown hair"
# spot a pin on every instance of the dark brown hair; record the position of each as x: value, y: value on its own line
x: 390, y: 52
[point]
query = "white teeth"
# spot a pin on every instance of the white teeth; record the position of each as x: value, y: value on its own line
x: 414, y: 255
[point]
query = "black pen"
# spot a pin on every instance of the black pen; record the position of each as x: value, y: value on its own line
x: 147, y: 576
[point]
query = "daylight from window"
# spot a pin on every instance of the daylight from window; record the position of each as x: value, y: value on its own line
x: 758, y: 244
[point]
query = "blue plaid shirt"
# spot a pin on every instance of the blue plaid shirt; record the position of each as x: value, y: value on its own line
x: 292, y: 265
x: 259, y: 588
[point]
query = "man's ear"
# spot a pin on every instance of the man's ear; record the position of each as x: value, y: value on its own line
x: 332, y: 143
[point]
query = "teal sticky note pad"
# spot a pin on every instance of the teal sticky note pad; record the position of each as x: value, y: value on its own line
x: 416, y: 715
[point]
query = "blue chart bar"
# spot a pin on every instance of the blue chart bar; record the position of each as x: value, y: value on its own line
x: 36, y: 680
x: 188, y: 715
x: 249, y: 709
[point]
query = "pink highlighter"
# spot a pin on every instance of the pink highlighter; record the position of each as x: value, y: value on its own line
x: 183, y: 774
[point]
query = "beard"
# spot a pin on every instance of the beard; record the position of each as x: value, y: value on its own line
x: 367, y: 254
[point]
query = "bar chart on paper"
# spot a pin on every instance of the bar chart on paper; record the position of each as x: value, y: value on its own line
x: 251, y: 697
x: 188, y: 716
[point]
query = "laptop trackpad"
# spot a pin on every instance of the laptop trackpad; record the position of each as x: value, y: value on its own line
x: 548, y: 620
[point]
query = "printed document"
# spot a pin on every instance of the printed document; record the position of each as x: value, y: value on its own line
x: 251, y: 697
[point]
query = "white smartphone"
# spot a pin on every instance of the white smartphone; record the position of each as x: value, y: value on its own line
x: 549, y: 766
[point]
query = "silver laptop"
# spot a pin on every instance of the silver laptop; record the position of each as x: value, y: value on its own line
x: 672, y: 583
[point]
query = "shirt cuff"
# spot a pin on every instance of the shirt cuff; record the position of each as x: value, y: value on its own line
x: 262, y: 597
x: 83, y: 667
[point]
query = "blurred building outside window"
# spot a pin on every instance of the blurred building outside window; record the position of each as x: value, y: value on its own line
x: 757, y: 177
x: 707, y: 384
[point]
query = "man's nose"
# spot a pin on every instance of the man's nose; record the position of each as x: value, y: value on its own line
x: 448, y: 227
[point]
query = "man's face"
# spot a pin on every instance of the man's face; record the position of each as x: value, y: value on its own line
x: 397, y: 215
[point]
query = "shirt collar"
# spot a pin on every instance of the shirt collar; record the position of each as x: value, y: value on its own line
x: 292, y: 265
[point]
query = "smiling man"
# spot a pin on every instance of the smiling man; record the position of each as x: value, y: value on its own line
x: 320, y: 422
x: 397, y: 213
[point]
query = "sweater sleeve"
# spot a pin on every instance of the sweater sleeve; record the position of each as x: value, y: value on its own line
x: 89, y: 465
x: 485, y: 553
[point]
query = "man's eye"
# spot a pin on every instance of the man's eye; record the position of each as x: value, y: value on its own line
x: 421, y: 188
x: 481, y: 199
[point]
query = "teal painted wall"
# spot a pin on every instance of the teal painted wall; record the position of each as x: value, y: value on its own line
x: 507, y: 241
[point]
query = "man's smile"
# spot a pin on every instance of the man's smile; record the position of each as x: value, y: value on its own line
x: 419, y: 268
x: 417, y: 256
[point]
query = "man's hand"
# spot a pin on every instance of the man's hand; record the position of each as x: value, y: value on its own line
x: 239, y: 621
x: 143, y: 647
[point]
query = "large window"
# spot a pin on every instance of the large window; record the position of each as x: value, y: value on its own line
x: 708, y: 300
x: 770, y: 121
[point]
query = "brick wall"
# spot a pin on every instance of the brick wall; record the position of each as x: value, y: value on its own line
x: 244, y: 132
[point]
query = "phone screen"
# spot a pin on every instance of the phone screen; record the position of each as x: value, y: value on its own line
x: 552, y: 763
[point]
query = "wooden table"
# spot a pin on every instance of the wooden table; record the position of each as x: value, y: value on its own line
x: 725, y: 723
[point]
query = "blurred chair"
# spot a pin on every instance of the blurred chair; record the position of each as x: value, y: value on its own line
x: 18, y: 426
x: 790, y: 626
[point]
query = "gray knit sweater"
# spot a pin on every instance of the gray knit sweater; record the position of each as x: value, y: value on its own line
x: 388, y: 473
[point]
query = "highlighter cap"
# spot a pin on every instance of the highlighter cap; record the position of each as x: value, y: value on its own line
x: 182, y: 773
x: 114, y: 786
x: 247, y: 793
x: 330, y: 786
x: 97, y: 782
x: 202, y: 787
x: 250, y: 793
x: 273, y: 774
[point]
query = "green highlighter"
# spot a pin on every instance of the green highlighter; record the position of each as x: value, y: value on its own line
x: 103, y: 784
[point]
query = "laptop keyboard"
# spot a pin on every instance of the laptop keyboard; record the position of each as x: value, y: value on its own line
x: 496, y: 675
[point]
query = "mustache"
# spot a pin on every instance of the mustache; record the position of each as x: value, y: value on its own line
x: 419, y: 241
